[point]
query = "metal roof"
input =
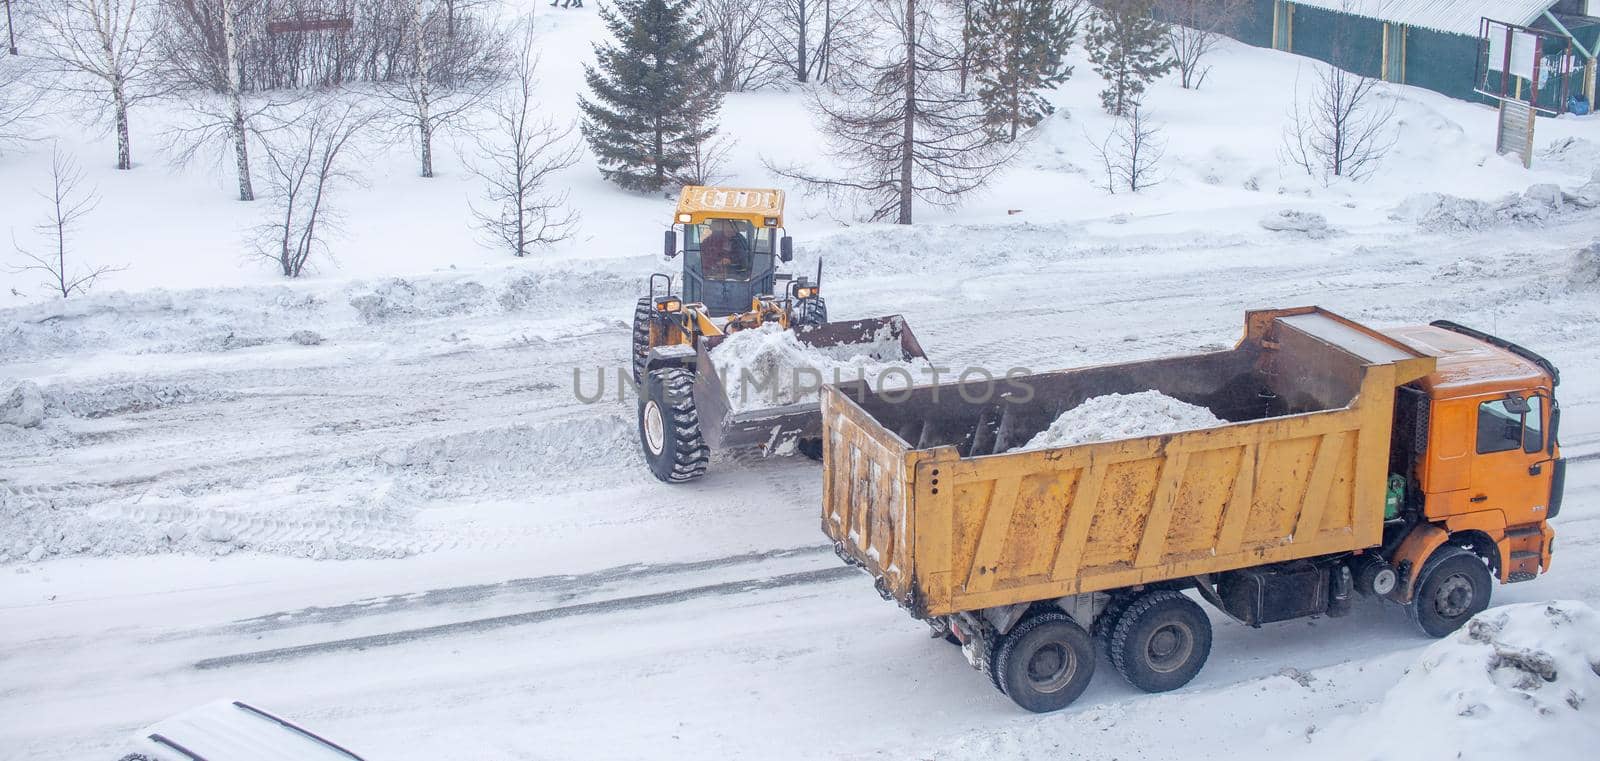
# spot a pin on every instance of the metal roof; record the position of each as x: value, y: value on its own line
x: 1454, y: 16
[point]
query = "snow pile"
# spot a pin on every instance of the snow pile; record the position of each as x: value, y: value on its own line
x: 1520, y: 681
x: 769, y: 367
x: 1586, y: 266
x: 1312, y: 225
x: 1571, y: 153
x: 23, y: 406
x: 1121, y: 416
x: 1441, y: 212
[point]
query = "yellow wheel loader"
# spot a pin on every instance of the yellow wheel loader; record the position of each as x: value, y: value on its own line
x: 732, y: 242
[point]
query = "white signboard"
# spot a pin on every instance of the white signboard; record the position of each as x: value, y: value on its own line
x: 1524, y: 50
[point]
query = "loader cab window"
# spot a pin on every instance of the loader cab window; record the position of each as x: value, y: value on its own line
x: 1507, y: 424
x: 729, y: 249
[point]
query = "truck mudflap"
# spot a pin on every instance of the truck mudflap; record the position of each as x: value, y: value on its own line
x: 232, y: 730
x: 774, y: 430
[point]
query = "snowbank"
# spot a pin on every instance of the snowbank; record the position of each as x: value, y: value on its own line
x: 23, y: 406
x: 1520, y: 681
x: 1312, y: 225
x: 769, y: 367
x: 1121, y: 416
x: 1539, y: 204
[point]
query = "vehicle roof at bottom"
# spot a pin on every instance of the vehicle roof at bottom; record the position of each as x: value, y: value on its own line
x: 701, y: 202
x: 1468, y: 366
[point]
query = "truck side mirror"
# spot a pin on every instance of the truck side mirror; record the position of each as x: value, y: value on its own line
x: 669, y: 244
x: 1516, y: 405
x: 785, y: 249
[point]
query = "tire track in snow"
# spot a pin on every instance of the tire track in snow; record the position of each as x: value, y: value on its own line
x: 600, y: 607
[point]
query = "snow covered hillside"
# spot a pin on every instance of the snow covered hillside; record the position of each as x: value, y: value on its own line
x: 385, y: 500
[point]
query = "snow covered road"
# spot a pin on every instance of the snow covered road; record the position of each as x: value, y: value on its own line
x: 503, y: 579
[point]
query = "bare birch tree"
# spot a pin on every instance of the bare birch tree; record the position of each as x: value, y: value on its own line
x: 69, y: 203
x: 737, y: 43
x: 1194, y: 27
x: 517, y: 157
x: 900, y: 126
x: 206, y: 74
x: 813, y: 38
x: 1342, y: 129
x: 446, y: 82
x: 305, y: 164
x: 101, y: 48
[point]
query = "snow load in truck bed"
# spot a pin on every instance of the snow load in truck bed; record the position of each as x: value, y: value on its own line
x: 769, y: 367
x: 1121, y: 416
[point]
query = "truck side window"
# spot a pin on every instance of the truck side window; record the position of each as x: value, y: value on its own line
x: 1533, y: 428
x: 1499, y: 429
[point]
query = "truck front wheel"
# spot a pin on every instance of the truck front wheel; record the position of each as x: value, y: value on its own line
x: 1045, y: 663
x: 1160, y: 641
x: 1454, y: 585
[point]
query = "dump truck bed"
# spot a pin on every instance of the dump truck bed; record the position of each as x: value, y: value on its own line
x: 926, y: 493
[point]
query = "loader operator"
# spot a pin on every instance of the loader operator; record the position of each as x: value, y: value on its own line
x: 724, y: 254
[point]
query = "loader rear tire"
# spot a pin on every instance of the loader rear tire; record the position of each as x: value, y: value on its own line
x: 669, y: 427
x: 1160, y: 641
x: 1454, y: 585
x: 811, y: 312
x: 1045, y: 663
x: 643, y: 313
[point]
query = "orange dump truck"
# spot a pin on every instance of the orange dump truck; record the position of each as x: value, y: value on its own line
x: 1415, y: 464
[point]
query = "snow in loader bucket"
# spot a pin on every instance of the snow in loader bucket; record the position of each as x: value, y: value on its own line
x: 231, y: 730
x: 747, y: 396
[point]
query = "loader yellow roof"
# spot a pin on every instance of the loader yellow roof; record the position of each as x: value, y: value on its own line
x: 763, y: 207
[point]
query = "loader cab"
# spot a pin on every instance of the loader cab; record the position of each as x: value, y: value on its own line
x: 727, y: 263
x: 731, y: 242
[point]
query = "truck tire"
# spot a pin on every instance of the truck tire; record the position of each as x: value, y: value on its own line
x: 1160, y: 641
x: 1106, y: 622
x: 810, y: 312
x: 643, y: 313
x: 1045, y: 663
x: 669, y: 427
x: 1453, y: 586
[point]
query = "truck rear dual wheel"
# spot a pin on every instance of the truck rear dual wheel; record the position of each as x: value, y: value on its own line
x: 669, y: 427
x: 1160, y: 641
x: 810, y: 312
x: 1453, y: 586
x: 1044, y: 663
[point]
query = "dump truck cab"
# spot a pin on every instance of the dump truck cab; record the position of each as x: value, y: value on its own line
x: 1481, y: 438
x: 732, y: 240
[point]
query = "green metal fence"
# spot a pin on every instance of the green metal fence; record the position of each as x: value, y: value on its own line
x: 1352, y: 43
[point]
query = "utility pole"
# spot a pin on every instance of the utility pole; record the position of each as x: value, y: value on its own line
x: 11, y: 29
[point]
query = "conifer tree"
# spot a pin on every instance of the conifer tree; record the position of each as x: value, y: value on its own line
x: 1019, y: 52
x: 1129, y: 49
x: 653, y: 92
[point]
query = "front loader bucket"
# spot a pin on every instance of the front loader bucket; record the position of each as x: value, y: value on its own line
x: 774, y: 429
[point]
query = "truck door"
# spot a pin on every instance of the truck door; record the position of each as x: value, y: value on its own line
x: 1510, y: 471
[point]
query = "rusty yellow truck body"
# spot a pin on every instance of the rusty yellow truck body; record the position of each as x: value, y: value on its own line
x: 1278, y: 512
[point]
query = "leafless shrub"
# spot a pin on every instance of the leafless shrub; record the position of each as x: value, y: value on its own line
x: 306, y: 163
x: 1131, y: 153
x: 1194, y: 29
x: 1342, y: 129
x: 101, y: 49
x: 516, y: 158
x: 69, y: 203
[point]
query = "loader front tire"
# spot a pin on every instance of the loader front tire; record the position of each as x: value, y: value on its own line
x: 669, y: 427
x: 1045, y: 663
x: 643, y: 313
x: 1160, y: 641
x: 1454, y: 585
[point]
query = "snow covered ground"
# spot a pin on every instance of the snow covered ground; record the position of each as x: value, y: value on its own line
x: 374, y: 501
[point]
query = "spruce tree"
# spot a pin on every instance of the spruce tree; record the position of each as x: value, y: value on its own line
x: 1128, y: 47
x: 1020, y: 49
x: 653, y: 90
